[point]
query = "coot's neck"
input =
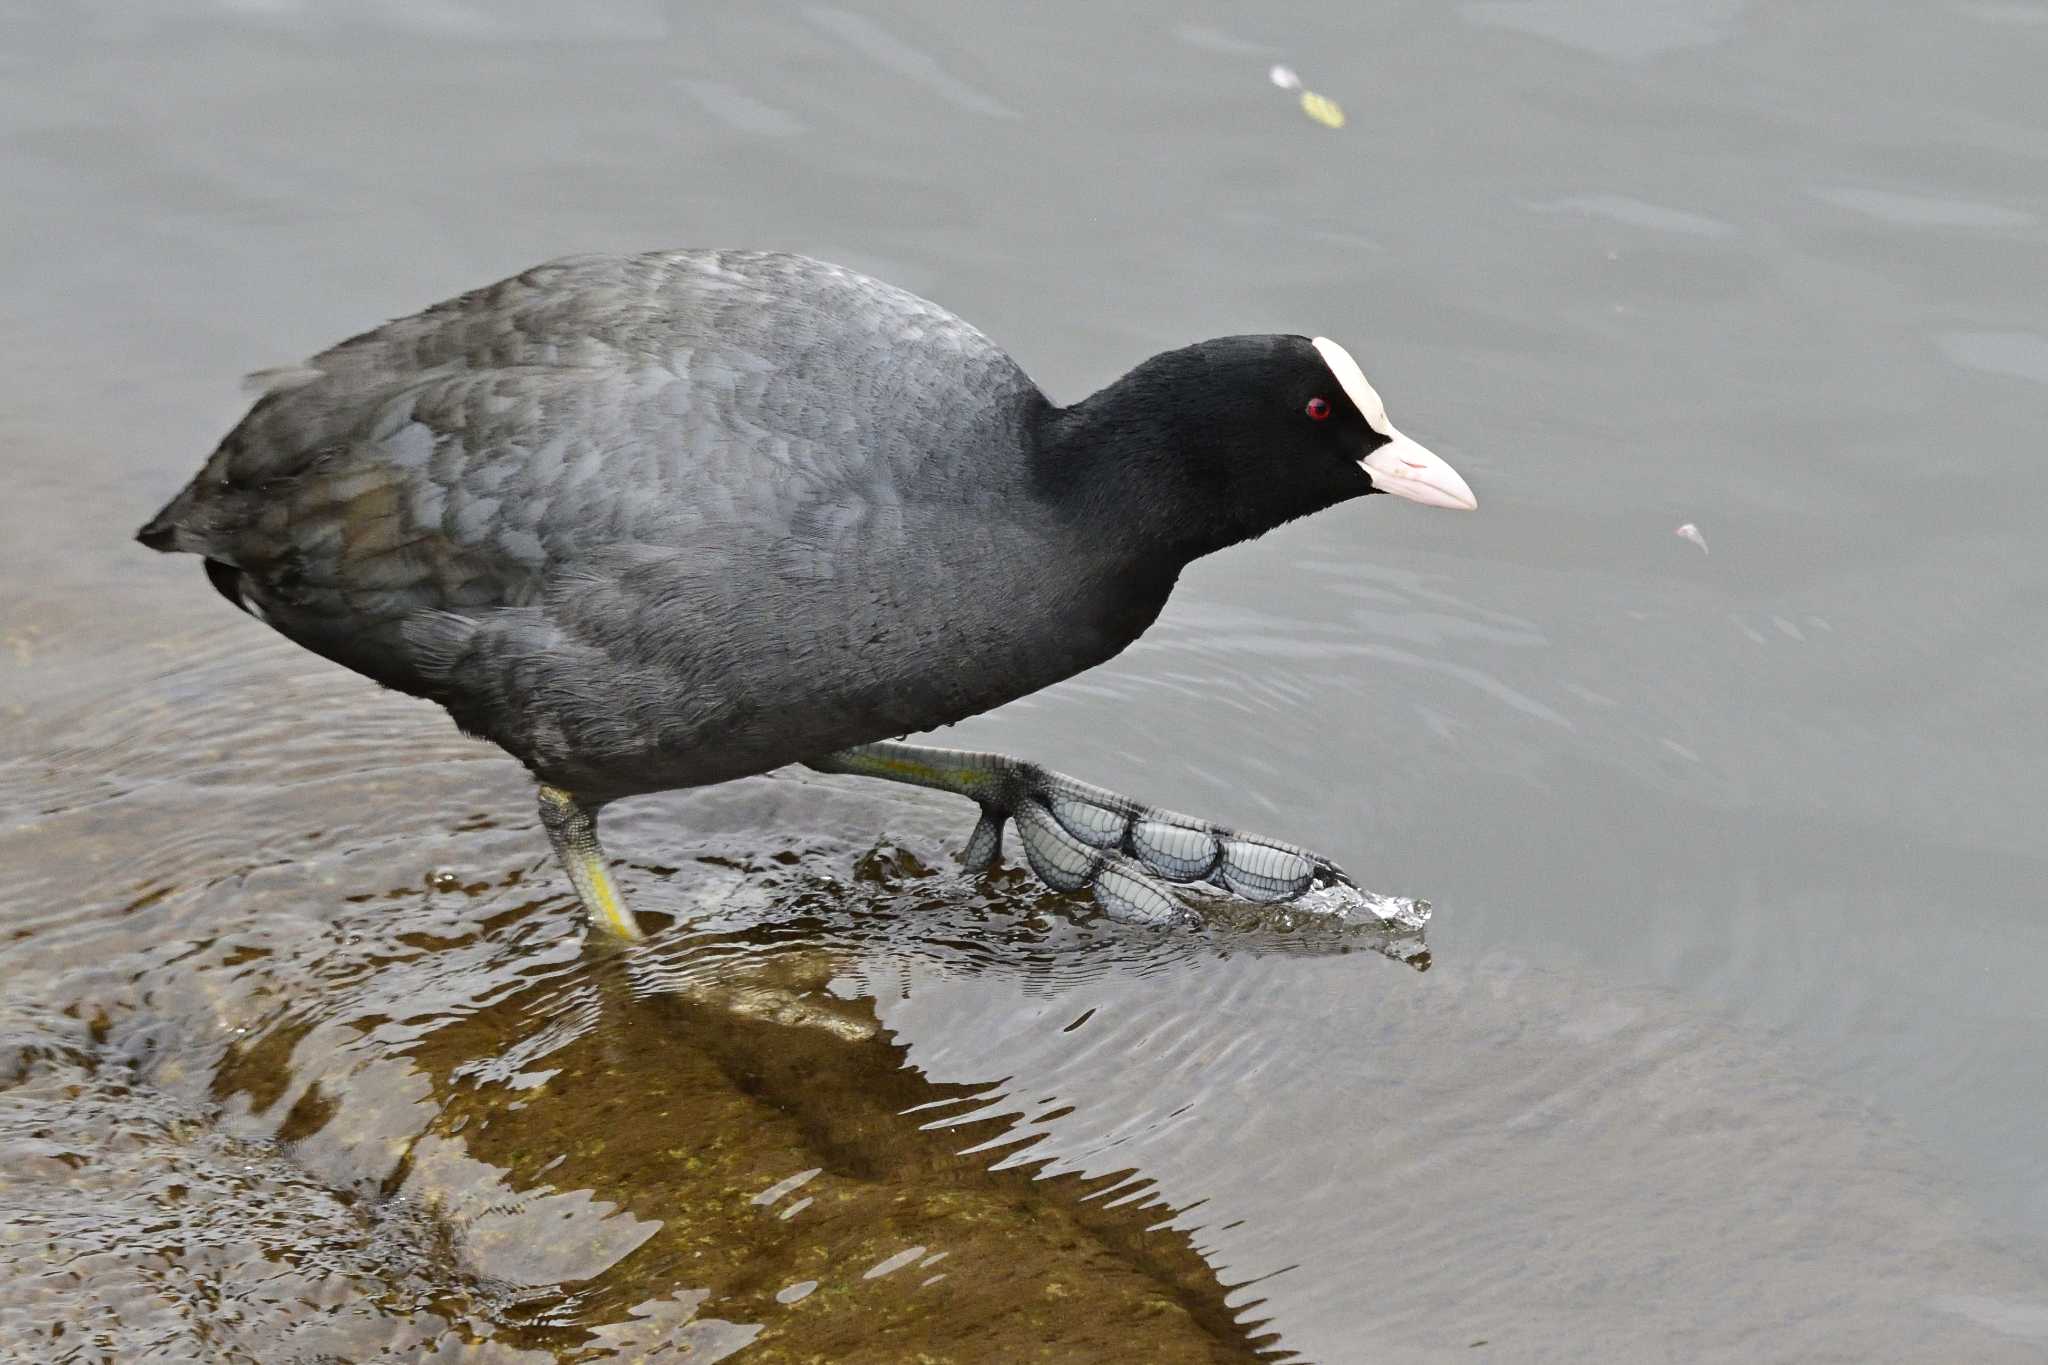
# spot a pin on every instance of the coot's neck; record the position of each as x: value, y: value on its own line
x: 1132, y: 465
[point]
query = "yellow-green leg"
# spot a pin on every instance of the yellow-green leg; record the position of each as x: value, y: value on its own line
x: 572, y: 829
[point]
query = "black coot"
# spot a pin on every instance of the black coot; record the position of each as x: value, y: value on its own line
x: 665, y: 520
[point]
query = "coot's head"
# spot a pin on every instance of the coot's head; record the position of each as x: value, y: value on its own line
x: 1224, y: 440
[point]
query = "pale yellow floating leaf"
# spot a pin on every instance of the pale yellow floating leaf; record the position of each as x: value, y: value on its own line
x: 1322, y: 109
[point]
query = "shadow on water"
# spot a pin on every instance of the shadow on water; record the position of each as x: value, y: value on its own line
x: 261, y: 1104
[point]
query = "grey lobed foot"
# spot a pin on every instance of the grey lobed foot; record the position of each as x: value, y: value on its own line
x: 1078, y: 836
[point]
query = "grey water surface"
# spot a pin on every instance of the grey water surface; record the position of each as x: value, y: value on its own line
x: 1728, y: 1045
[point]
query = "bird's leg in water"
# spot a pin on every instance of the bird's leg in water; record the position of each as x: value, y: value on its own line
x: 572, y: 829
x: 1077, y: 835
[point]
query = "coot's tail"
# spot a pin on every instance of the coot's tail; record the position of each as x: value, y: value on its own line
x: 172, y: 530
x: 160, y: 535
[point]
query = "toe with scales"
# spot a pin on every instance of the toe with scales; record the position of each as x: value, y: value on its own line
x: 1076, y: 835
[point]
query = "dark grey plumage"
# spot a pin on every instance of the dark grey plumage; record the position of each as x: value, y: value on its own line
x: 663, y: 520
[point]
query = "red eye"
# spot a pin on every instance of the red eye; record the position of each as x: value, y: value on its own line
x: 1318, y: 409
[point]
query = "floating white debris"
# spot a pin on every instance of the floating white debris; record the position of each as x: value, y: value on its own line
x: 1692, y: 533
x: 1284, y: 77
